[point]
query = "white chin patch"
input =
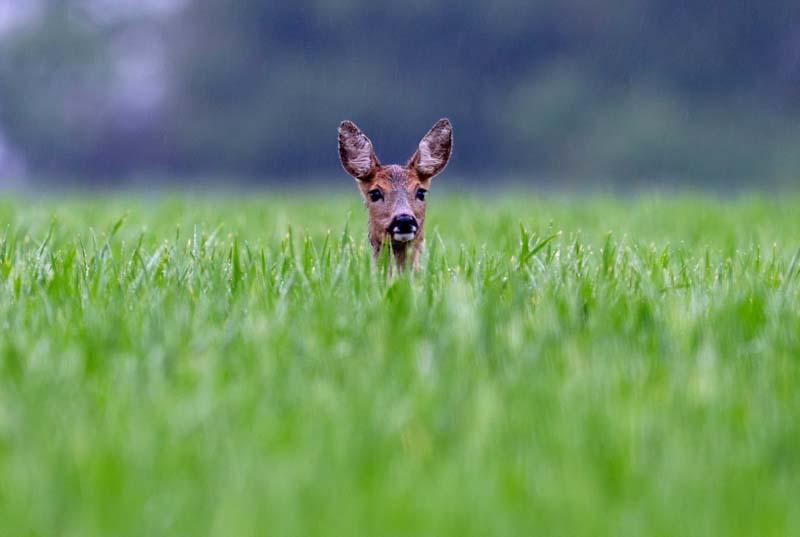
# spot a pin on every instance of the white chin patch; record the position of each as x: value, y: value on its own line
x: 403, y: 237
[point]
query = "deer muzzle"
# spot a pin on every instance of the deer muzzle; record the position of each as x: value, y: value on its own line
x: 403, y: 228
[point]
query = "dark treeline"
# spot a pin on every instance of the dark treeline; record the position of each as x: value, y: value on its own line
x: 569, y: 90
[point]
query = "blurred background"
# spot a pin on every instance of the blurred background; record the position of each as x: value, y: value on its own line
x: 566, y: 93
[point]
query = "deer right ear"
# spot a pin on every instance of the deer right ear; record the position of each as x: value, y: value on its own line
x: 356, y: 152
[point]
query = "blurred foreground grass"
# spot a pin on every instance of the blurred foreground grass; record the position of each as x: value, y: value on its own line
x: 559, y: 366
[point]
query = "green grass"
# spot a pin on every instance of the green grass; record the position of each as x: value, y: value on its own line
x: 558, y: 366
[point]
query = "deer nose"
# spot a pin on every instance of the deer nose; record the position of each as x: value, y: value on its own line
x: 403, y: 226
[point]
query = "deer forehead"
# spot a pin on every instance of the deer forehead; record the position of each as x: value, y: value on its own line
x: 395, y: 178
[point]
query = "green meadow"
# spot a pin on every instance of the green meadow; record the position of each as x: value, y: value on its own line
x: 559, y: 365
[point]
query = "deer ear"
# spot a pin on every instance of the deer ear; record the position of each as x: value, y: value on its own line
x: 356, y: 152
x: 434, y: 150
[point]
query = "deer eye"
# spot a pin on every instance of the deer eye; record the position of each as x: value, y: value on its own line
x: 375, y: 195
x: 421, y: 194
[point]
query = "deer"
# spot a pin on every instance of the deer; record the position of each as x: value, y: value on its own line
x: 395, y: 195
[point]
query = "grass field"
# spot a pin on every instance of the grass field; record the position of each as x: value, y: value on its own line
x: 558, y: 366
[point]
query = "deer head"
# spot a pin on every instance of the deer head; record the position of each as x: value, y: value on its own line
x: 394, y: 194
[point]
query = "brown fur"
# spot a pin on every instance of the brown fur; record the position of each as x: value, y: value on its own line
x: 398, y: 184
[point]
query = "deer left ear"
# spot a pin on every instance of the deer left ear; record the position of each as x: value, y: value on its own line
x: 434, y: 150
